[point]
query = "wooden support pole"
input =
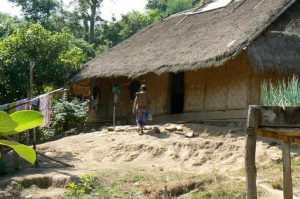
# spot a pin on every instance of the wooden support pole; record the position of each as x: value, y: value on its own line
x: 250, y: 150
x: 114, y: 117
x: 287, y: 172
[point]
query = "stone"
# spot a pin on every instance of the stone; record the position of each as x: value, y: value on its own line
x: 50, y: 154
x: 156, y: 129
x: 190, y: 134
x: 120, y: 129
x: 179, y: 128
x: 171, y: 128
x: 179, y: 132
x: 276, y: 159
x: 147, y: 128
x: 110, y: 128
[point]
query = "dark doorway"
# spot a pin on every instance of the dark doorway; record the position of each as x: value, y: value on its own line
x: 177, y: 92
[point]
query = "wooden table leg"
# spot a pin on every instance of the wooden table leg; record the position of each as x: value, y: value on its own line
x: 287, y: 172
x: 250, y: 150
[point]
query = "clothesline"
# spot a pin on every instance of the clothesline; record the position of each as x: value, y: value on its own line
x: 41, y: 102
x: 37, y: 97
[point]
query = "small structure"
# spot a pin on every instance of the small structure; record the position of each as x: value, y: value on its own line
x: 272, y: 122
x: 198, y: 65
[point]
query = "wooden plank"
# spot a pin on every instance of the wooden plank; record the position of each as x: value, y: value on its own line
x: 250, y: 149
x: 293, y: 132
x: 290, y: 132
x: 287, y: 172
x: 273, y: 135
x: 276, y: 116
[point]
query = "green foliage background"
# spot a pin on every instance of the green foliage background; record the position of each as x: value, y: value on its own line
x: 58, y: 56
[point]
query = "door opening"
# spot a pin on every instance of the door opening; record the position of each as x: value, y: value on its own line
x: 177, y: 92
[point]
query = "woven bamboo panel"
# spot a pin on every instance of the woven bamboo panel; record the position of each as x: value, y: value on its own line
x: 81, y: 90
x: 216, y: 89
x: 194, y: 90
x: 238, y: 92
x: 158, y: 88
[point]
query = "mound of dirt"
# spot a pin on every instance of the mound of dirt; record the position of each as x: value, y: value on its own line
x: 166, y: 148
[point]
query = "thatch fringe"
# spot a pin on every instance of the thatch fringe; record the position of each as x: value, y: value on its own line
x: 279, y: 48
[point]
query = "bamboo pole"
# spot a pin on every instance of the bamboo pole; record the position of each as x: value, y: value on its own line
x: 250, y: 150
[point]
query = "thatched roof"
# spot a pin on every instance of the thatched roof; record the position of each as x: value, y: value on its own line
x: 279, y: 48
x: 182, y: 42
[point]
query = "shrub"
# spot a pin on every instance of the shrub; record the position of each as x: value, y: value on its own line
x: 66, y: 114
x: 86, y: 185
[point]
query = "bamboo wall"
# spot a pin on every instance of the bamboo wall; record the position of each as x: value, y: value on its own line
x: 220, y: 93
x: 158, y: 87
x: 221, y: 88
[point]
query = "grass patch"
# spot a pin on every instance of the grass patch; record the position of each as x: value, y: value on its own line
x: 137, y: 184
x: 220, y: 188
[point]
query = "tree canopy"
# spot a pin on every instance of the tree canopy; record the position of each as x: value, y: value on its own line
x: 59, y: 41
x: 57, y: 56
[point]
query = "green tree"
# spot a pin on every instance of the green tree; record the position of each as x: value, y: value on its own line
x: 38, y: 11
x: 112, y: 33
x: 57, y: 57
x: 8, y: 24
x: 162, y: 8
x: 89, y: 12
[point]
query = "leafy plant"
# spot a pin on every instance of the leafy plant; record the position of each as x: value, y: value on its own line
x: 68, y: 114
x: 287, y: 93
x: 85, y: 186
x: 17, y: 123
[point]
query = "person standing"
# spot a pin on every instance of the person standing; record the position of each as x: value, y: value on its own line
x: 141, y: 107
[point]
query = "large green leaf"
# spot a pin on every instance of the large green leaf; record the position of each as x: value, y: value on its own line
x: 24, y: 151
x: 6, y: 123
x: 27, y: 120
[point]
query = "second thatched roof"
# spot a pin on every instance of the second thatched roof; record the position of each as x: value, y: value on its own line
x: 182, y: 42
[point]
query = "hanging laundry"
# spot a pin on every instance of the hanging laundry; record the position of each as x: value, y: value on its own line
x: 4, y: 107
x: 12, y: 107
x: 22, y: 105
x: 117, y: 89
x: 45, y: 108
x: 35, y: 102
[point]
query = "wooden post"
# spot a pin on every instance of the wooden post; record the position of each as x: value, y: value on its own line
x: 32, y: 65
x: 287, y: 174
x: 114, y: 116
x: 250, y: 150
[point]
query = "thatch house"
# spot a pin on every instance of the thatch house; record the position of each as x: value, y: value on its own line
x: 199, y: 65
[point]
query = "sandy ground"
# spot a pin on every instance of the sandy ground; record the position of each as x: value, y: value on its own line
x: 209, y: 149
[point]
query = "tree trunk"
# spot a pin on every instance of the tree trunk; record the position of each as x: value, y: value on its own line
x: 92, y: 21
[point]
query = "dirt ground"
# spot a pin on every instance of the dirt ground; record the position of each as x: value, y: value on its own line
x: 187, y: 150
